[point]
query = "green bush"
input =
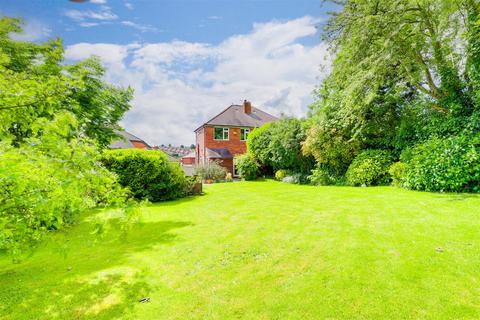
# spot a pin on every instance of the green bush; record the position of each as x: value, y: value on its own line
x: 48, y: 182
x: 148, y: 174
x: 449, y: 164
x: 296, y: 178
x: 370, y: 168
x: 211, y: 171
x: 398, y: 171
x: 246, y: 166
x: 322, y: 177
x: 280, y: 174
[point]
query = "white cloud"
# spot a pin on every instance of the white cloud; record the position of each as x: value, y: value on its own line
x: 98, y: 1
x: 179, y: 85
x: 128, y: 5
x: 33, y: 30
x: 139, y: 27
x: 104, y: 14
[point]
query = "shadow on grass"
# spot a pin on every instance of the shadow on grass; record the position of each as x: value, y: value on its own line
x: 76, y: 276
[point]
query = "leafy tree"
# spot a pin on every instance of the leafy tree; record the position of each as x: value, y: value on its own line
x: 278, y: 145
x: 53, y: 117
x: 34, y: 83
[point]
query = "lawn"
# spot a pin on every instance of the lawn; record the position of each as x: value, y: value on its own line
x: 262, y: 250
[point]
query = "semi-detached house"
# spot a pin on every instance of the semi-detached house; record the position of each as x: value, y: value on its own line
x: 225, y: 135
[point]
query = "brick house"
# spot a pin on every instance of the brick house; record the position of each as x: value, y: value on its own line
x: 225, y: 135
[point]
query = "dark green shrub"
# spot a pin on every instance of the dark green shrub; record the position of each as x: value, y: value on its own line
x: 398, y: 171
x: 211, y: 171
x: 247, y: 167
x: 449, y: 164
x: 370, y: 168
x: 148, y: 174
x: 280, y: 174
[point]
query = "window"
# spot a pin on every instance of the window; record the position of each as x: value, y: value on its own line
x: 244, y: 132
x: 220, y: 134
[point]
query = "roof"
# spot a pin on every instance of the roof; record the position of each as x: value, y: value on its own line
x: 219, y: 153
x: 235, y: 116
x: 190, y: 155
x: 125, y: 141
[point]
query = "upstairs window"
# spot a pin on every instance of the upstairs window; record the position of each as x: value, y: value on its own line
x: 221, y: 134
x: 244, y: 132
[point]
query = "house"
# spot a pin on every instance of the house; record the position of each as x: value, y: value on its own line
x: 225, y: 135
x: 189, y: 159
x: 128, y: 141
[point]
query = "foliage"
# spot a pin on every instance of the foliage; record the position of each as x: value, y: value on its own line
x: 280, y: 174
x: 49, y: 181
x: 370, y: 168
x: 451, y: 164
x: 147, y: 173
x: 228, y: 177
x: 210, y: 171
x: 330, y: 149
x: 246, y: 166
x: 296, y: 178
x: 34, y: 83
x: 322, y: 176
x: 398, y: 171
x: 277, y: 145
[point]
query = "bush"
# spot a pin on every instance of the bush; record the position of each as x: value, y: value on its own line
x: 370, y: 168
x: 48, y: 182
x: 211, y: 171
x: 397, y: 171
x: 295, y: 178
x: 247, y: 167
x: 321, y: 177
x: 280, y: 174
x: 148, y: 174
x: 451, y: 164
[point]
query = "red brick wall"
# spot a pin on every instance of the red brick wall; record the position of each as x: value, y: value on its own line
x: 188, y: 161
x: 234, y: 144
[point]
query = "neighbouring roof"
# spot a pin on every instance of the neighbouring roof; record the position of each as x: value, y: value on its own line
x: 126, y: 141
x: 218, y: 153
x: 190, y: 155
x: 235, y: 116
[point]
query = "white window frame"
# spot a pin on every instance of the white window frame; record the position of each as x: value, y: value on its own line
x: 224, y: 130
x: 247, y: 132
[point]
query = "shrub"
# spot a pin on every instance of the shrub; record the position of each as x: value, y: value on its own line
x: 247, y: 167
x: 278, y: 145
x: 280, y: 174
x: 295, y: 178
x: 451, y: 164
x: 370, y: 168
x: 148, y: 174
x: 228, y: 177
x: 48, y: 182
x: 397, y: 171
x: 321, y: 176
x: 211, y: 171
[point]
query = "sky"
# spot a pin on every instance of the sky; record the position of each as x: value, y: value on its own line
x: 189, y: 60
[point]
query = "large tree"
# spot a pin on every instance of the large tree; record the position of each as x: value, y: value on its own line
x: 34, y: 82
x: 402, y: 70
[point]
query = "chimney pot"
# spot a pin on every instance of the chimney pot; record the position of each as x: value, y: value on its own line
x: 247, y: 107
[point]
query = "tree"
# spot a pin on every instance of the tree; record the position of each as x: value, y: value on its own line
x: 35, y: 83
x: 53, y: 118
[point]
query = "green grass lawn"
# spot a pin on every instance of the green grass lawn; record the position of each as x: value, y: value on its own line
x: 263, y: 250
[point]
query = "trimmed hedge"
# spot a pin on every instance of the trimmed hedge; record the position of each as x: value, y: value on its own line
x: 148, y: 174
x: 448, y: 164
x: 370, y: 168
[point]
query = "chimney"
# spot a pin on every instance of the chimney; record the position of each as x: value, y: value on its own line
x: 247, y: 107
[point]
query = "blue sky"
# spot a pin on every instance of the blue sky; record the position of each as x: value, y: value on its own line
x: 188, y: 60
